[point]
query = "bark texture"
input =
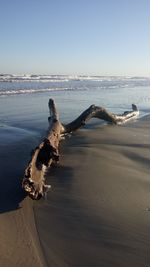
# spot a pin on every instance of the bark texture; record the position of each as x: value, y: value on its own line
x: 43, y: 157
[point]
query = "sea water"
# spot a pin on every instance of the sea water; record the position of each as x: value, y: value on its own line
x: 24, y: 98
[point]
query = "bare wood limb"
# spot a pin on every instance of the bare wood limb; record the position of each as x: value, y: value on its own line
x: 100, y: 113
x: 127, y: 115
x: 91, y: 112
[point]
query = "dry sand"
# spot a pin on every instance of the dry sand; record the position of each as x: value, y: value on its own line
x: 19, y: 241
x: 98, y: 211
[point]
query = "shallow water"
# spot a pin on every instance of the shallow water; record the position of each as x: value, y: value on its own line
x: 23, y: 99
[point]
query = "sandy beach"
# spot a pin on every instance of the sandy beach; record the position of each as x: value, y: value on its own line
x: 97, y: 213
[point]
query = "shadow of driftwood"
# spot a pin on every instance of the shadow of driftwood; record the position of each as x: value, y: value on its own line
x: 11, y: 193
x: 14, y: 153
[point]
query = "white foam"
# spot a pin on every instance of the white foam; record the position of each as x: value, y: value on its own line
x: 60, y: 78
x: 27, y: 83
x: 31, y: 91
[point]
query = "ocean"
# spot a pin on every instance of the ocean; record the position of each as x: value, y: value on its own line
x: 22, y: 95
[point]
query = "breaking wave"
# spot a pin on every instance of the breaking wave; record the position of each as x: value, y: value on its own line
x: 27, y: 84
x: 65, y: 78
x: 30, y: 91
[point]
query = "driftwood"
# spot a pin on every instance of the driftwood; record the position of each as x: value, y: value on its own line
x: 43, y: 157
x: 46, y: 154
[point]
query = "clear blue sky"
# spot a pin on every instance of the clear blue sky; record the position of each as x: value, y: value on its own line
x: 97, y: 37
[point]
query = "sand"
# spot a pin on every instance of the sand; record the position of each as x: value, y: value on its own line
x: 98, y: 211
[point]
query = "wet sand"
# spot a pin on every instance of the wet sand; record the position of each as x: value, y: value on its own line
x: 98, y: 211
x: 20, y: 245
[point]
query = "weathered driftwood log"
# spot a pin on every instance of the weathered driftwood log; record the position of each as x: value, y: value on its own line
x: 42, y: 157
x: 47, y: 153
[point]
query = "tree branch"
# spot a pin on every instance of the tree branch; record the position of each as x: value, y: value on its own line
x: 100, y: 113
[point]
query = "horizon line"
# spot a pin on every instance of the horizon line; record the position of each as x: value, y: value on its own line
x: 75, y: 75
